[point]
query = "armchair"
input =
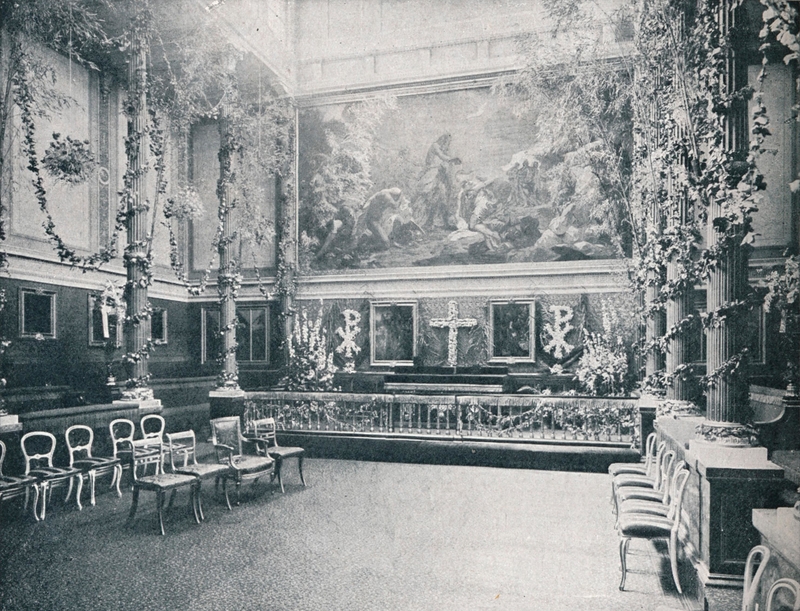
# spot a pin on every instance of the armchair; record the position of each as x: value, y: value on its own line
x: 226, y: 435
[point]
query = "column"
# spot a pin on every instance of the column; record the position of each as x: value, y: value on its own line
x: 137, y: 262
x: 677, y: 308
x: 227, y: 278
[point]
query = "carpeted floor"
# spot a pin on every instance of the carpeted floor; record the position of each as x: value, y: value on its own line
x: 362, y: 536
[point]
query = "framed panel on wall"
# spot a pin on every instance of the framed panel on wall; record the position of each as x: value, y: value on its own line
x: 210, y: 340
x: 252, y: 333
x: 393, y: 332
x: 511, y: 331
x: 37, y: 313
x: 105, y: 324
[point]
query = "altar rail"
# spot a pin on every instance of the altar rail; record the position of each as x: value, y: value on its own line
x: 548, y: 417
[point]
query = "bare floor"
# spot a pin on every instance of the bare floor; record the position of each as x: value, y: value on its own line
x: 361, y: 536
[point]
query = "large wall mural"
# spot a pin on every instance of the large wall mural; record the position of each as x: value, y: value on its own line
x: 442, y: 179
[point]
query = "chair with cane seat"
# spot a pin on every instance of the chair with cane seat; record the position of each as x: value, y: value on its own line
x: 784, y: 584
x: 759, y: 554
x: 80, y: 457
x: 38, y: 448
x: 648, y: 526
x: 12, y: 486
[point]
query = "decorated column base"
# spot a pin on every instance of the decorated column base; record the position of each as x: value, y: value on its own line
x: 138, y: 397
x: 226, y: 401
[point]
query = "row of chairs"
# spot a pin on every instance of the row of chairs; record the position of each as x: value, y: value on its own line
x: 647, y: 500
x: 41, y: 475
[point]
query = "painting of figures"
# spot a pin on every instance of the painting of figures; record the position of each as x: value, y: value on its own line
x: 448, y: 178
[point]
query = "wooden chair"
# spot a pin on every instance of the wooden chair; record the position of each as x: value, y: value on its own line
x: 639, y: 487
x: 226, y: 435
x: 648, y: 479
x: 784, y: 584
x: 759, y: 554
x: 160, y: 482
x: 14, y: 486
x: 38, y: 448
x: 184, y: 444
x: 647, y: 526
x: 265, y: 430
x: 635, y: 499
x: 643, y: 468
x: 80, y: 457
x: 152, y: 427
x: 122, y: 431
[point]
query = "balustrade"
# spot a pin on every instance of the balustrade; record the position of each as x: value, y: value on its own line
x: 531, y: 417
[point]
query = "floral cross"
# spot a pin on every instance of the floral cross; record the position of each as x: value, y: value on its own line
x: 454, y: 323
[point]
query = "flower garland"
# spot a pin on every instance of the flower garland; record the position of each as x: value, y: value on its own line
x: 349, y: 348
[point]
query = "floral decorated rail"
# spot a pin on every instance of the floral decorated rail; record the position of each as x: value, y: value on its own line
x: 509, y: 416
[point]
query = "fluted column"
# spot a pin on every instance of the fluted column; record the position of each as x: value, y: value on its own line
x: 227, y: 278
x: 677, y: 308
x: 136, y: 262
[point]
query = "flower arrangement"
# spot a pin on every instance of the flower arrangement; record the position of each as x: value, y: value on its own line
x: 69, y: 160
x: 603, y: 366
x: 185, y: 204
x: 310, y: 365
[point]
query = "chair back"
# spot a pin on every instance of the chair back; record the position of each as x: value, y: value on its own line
x: 187, y: 447
x: 72, y: 435
x: 2, y: 456
x: 38, y: 440
x: 120, y: 430
x: 679, y: 486
x: 784, y: 584
x: 134, y: 456
x: 152, y: 426
x: 759, y: 554
x: 649, y: 453
x: 265, y: 428
x: 664, y: 469
x: 227, y: 431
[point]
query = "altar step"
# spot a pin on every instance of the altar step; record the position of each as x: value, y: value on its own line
x: 446, y: 380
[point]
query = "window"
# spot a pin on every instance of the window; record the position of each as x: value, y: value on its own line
x: 393, y: 333
x: 105, y: 326
x: 511, y: 324
x: 158, y: 326
x: 37, y: 313
x: 209, y: 335
x: 252, y: 334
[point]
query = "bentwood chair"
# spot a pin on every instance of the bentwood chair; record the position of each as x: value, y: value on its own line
x: 184, y: 443
x: 160, y: 482
x: 784, y: 584
x: 15, y: 486
x: 264, y: 430
x: 759, y: 554
x: 647, y: 526
x: 38, y: 448
x: 644, y: 468
x: 226, y: 435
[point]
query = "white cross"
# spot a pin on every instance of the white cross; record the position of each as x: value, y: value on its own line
x: 453, y: 322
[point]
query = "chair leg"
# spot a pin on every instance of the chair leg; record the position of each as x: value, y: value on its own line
x: 92, y: 481
x: 194, y: 499
x: 118, y: 471
x: 69, y: 491
x: 45, y: 492
x: 79, y: 477
x: 225, y: 492
x: 134, y: 504
x: 278, y: 470
x: 172, y: 498
x: 300, y: 467
x: 673, y: 560
x: 160, y: 507
x: 623, y: 552
x: 35, y: 500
